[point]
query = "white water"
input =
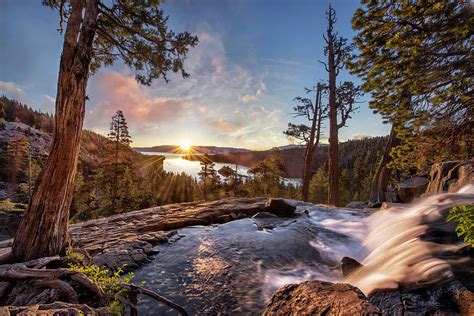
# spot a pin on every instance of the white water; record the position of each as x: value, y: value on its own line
x: 389, y: 244
x: 235, y: 267
x: 396, y: 253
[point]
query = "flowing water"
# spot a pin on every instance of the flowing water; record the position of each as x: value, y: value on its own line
x: 233, y: 268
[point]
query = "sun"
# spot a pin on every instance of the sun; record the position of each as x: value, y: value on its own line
x: 185, y: 146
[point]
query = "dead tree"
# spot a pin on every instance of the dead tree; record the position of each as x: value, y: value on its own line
x: 336, y: 50
x: 308, y: 135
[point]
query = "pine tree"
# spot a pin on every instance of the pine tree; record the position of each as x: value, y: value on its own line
x: 97, y: 33
x: 308, y: 135
x: 120, y: 140
x: 18, y: 160
x: 208, y: 176
x: 424, y: 51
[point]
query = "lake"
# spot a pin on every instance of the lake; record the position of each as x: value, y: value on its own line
x: 176, y: 164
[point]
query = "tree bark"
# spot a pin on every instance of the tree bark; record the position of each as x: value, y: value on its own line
x: 44, y: 228
x: 383, y: 173
x: 312, y: 144
x: 333, y: 166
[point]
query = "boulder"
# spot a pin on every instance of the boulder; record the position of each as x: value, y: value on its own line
x: 224, y: 218
x: 264, y: 215
x: 319, y: 298
x: 450, y: 176
x: 465, y: 301
x: 412, y: 188
x: 358, y: 204
x: 348, y: 265
x: 446, y: 299
x: 280, y: 207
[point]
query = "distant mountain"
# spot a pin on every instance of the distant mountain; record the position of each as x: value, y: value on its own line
x: 290, y: 146
x: 370, y: 149
x: 209, y: 150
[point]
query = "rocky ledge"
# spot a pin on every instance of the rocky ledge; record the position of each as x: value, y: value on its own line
x: 128, y: 239
x: 324, y: 298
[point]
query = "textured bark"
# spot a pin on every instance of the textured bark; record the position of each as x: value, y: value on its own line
x: 333, y: 166
x: 44, y: 228
x: 313, y: 143
x: 382, y: 175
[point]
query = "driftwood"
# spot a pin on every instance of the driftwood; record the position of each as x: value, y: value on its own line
x: 39, y: 277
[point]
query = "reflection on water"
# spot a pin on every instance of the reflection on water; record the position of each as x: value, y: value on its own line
x: 175, y: 163
x: 233, y: 268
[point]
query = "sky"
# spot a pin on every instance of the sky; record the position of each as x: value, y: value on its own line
x: 253, y: 58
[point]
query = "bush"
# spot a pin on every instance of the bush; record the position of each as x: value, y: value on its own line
x: 110, y: 282
x: 463, y: 215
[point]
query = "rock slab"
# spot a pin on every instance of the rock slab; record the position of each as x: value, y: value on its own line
x: 319, y: 298
x: 280, y: 207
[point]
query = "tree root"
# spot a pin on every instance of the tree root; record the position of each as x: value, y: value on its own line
x: 135, y: 289
x: 60, y: 279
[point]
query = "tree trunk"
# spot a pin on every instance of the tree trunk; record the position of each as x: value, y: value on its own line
x: 44, y: 228
x: 312, y: 144
x: 382, y: 175
x: 333, y: 167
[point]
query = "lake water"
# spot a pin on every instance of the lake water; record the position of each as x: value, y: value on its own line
x: 175, y: 163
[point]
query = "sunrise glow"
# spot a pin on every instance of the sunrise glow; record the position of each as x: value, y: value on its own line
x: 185, y: 146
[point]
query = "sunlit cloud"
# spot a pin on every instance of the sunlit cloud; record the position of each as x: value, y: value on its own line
x: 13, y: 90
x: 249, y: 98
x: 114, y: 91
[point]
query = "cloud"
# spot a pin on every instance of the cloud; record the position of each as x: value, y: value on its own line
x: 359, y: 136
x: 13, y: 90
x: 223, y: 125
x: 114, y: 91
x: 249, y: 98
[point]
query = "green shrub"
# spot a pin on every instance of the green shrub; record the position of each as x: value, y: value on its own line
x: 109, y: 281
x: 463, y: 215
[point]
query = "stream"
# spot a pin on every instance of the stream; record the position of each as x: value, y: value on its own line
x: 233, y: 268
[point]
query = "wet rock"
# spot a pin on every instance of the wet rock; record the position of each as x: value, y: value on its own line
x: 450, y: 176
x: 280, y: 207
x: 358, y: 204
x: 348, y: 265
x: 432, y: 300
x: 264, y: 215
x: 374, y: 204
x: 8, y: 224
x: 387, y: 205
x: 319, y: 298
x: 224, y: 219
x: 128, y: 238
x: 412, y: 188
x: 465, y: 300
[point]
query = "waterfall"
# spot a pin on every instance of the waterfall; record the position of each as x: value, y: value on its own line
x: 398, y: 248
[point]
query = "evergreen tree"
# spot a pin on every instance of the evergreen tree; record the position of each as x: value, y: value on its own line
x: 319, y: 187
x: 208, y: 176
x: 423, y: 50
x: 97, y: 33
x: 120, y: 139
x: 18, y: 161
x: 266, y: 176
